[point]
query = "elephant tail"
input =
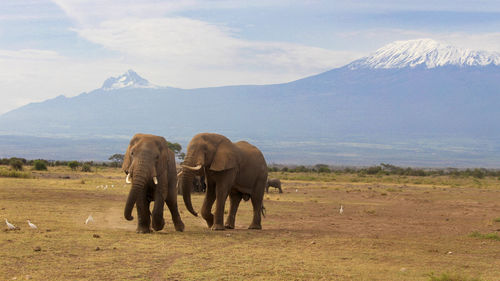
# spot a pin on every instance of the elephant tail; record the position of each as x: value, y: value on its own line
x: 263, y: 210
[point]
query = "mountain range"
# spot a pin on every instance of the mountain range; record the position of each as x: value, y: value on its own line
x: 417, y: 102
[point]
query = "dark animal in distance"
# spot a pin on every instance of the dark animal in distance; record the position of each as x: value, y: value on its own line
x: 274, y: 182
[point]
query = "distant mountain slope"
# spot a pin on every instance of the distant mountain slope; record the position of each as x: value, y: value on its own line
x: 403, y: 93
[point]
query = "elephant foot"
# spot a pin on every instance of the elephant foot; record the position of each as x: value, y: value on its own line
x: 158, y: 226
x: 218, y: 227
x: 179, y: 226
x: 143, y: 230
x: 255, y: 226
x: 210, y: 221
x: 229, y: 226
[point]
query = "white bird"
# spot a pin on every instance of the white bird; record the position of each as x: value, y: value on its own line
x: 32, y: 225
x: 89, y: 219
x: 296, y: 190
x: 341, y: 211
x: 9, y: 225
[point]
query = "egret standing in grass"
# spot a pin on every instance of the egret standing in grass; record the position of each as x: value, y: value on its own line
x: 341, y: 211
x: 9, y: 225
x: 89, y: 219
x: 32, y: 225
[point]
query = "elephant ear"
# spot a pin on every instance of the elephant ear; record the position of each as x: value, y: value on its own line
x: 162, y: 165
x: 127, y: 159
x: 225, y: 157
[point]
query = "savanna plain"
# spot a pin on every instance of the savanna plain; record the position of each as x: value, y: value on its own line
x: 392, y: 228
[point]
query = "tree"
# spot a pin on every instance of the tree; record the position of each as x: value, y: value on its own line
x: 176, y: 148
x: 40, y: 165
x: 86, y: 168
x: 117, y: 159
x: 73, y: 165
x: 16, y: 164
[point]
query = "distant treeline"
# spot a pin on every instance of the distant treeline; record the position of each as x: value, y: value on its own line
x: 53, y: 163
x: 388, y: 169
x: 382, y: 169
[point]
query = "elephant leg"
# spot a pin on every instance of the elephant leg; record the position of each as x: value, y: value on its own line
x: 172, y: 206
x: 143, y: 214
x: 257, y: 198
x: 206, y: 209
x: 158, y: 220
x: 279, y: 187
x: 267, y: 188
x: 235, y: 199
x: 224, y: 183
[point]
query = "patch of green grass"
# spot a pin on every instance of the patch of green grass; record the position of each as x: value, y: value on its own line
x: 490, y: 236
x: 497, y: 220
x: 14, y: 174
x: 451, y: 277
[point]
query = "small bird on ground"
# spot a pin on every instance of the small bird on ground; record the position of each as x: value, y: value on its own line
x: 341, y: 211
x: 32, y: 225
x: 9, y: 225
x: 89, y: 219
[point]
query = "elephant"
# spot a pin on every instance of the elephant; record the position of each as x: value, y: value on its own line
x: 150, y: 167
x: 237, y: 170
x: 274, y: 182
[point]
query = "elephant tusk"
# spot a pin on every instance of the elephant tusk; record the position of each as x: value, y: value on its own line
x: 192, y: 168
x: 179, y: 174
x: 155, y: 180
x: 127, y: 179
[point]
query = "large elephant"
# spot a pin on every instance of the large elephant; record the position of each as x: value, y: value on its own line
x: 150, y: 167
x: 237, y: 170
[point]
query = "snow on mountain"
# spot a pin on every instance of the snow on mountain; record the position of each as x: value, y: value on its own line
x: 424, y: 52
x: 129, y: 79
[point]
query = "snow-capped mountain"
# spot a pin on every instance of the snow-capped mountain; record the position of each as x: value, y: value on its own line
x: 427, y: 53
x: 129, y: 79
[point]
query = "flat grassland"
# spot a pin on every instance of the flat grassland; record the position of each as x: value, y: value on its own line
x: 392, y: 228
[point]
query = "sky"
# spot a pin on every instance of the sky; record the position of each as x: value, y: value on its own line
x: 66, y: 47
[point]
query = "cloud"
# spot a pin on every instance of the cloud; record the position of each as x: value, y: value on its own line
x: 32, y: 75
x: 188, y: 43
x: 376, y: 38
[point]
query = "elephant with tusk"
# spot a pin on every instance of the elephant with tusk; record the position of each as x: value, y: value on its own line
x: 237, y: 170
x: 150, y: 168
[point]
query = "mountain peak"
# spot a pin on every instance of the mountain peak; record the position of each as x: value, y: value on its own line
x: 129, y: 79
x: 424, y: 52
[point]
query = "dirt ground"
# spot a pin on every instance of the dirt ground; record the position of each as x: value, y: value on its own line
x: 386, y: 232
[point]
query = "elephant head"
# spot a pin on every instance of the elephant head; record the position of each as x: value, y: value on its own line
x: 145, y: 164
x: 205, y: 152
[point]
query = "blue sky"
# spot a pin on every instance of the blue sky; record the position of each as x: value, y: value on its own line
x: 49, y: 48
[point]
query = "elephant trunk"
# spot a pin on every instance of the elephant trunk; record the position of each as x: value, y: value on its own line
x: 186, y: 186
x: 138, y: 184
x: 132, y: 198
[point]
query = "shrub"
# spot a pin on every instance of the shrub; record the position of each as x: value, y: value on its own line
x: 86, y: 168
x: 16, y: 164
x: 39, y: 165
x: 322, y: 168
x: 73, y: 165
x: 373, y: 170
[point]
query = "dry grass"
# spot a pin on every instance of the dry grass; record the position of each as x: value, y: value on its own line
x: 414, y: 232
